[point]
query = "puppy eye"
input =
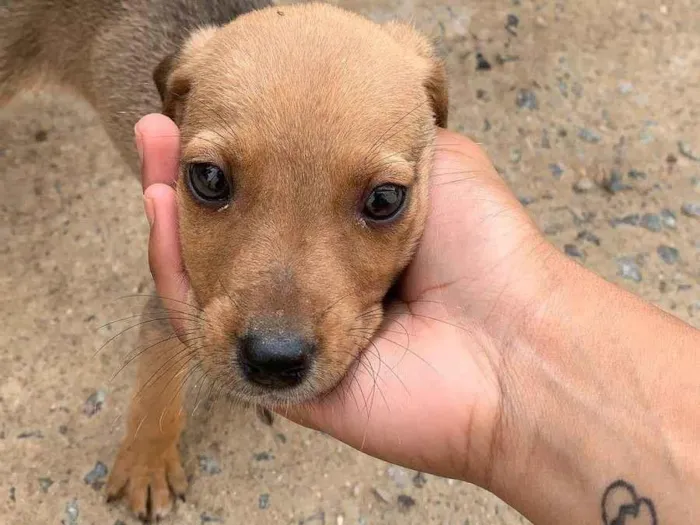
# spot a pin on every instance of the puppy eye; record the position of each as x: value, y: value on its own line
x: 385, y: 202
x: 208, y: 184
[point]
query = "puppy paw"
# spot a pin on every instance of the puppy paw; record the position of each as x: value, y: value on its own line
x: 148, y: 475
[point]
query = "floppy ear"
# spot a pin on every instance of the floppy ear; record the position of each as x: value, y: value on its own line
x: 172, y: 77
x: 435, y: 81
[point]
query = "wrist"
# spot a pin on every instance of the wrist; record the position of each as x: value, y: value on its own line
x: 585, y: 401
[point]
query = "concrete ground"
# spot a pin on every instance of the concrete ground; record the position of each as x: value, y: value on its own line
x: 590, y: 111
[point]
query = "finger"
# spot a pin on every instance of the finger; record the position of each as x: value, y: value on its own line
x: 158, y: 143
x: 164, y: 254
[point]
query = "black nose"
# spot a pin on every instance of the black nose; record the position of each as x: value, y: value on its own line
x: 275, y: 359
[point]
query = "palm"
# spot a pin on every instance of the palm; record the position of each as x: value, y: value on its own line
x: 429, y: 381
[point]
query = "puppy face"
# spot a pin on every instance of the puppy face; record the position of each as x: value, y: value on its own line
x: 307, y: 138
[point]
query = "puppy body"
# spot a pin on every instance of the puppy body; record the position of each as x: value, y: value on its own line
x: 304, y: 115
x: 105, y: 50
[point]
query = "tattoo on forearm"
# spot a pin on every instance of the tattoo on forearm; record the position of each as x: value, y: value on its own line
x: 622, y: 506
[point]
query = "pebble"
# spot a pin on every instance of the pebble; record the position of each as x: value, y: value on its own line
x: 587, y: 236
x: 637, y: 175
x: 589, y: 135
x: 687, y: 151
x: 584, y: 185
x: 557, y: 170
x: 28, y: 434
x: 668, y: 218
x: 381, y: 495
x: 481, y: 63
x: 629, y: 269
x: 632, y: 219
x: 12, y: 495
x: 45, y: 484
x: 263, y: 456
x: 625, y: 87
x: 94, y: 403
x: 399, y: 476
x: 526, y: 201
x: 614, y: 183
x: 652, y: 222
x: 668, y: 254
x: 209, y: 518
x: 512, y: 23
x: 72, y: 513
x: 209, y: 465
x: 96, y: 475
x: 691, y: 209
x: 264, y: 501
x: 419, y: 480
x: 573, y: 251
x: 527, y: 99
x: 406, y: 502
x: 41, y: 135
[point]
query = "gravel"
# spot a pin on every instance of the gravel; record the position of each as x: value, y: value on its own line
x: 668, y: 254
x: 691, y: 209
x: 72, y: 512
x: 629, y: 269
x: 95, y: 478
x: 526, y: 99
x: 687, y: 151
x: 45, y: 484
x: 94, y: 403
x: 652, y: 222
x: 406, y: 502
x: 209, y: 465
x: 589, y: 135
x: 584, y: 185
x: 264, y: 501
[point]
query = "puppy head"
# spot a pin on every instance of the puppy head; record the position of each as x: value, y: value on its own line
x: 307, y: 138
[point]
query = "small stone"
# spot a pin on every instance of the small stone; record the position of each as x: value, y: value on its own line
x: 629, y: 269
x: 668, y: 218
x: 668, y: 254
x: 526, y: 201
x: 406, y: 502
x: 691, y: 209
x: 526, y: 99
x: 625, y: 87
x: 637, y: 175
x: 209, y: 465
x: 12, y: 494
x: 381, y: 495
x: 504, y: 59
x: 584, y: 185
x: 652, y: 222
x: 587, y: 236
x: 515, y: 156
x: 94, y: 403
x: 45, y: 484
x: 573, y: 251
x: 614, y: 184
x: 481, y: 63
x: 686, y: 150
x: 72, y: 513
x: 482, y: 94
x: 264, y: 502
x: 263, y: 456
x: 340, y: 520
x: 556, y: 170
x: 694, y: 309
x: 589, y: 135
x: 419, y: 480
x: 545, y: 143
x: 41, y: 135
x: 96, y: 475
x: 318, y: 518
x: 632, y: 219
x: 31, y: 434
x: 512, y: 23
x: 399, y: 476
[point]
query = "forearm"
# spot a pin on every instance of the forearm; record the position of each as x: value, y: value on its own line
x: 601, y: 387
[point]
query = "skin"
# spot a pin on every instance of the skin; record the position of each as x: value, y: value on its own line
x: 532, y: 377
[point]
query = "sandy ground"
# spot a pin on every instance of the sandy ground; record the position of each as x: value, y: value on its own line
x: 590, y: 111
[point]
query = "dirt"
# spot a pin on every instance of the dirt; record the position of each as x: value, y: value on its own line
x: 589, y: 110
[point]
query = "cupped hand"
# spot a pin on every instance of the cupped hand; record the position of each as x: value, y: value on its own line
x: 432, y: 391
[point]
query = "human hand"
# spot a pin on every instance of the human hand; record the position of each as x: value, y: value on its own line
x: 427, y: 393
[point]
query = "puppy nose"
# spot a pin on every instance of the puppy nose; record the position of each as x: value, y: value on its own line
x: 275, y: 360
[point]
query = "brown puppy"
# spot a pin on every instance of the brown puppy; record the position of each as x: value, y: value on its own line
x: 307, y: 137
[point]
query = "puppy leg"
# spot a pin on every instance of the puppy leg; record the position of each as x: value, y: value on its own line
x: 148, y: 470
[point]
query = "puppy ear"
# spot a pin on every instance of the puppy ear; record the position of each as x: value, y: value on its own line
x: 172, y: 77
x: 435, y: 81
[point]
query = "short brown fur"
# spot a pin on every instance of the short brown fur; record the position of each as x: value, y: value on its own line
x: 306, y: 108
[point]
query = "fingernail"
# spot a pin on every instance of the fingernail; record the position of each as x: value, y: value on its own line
x: 139, y: 142
x: 150, y: 210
